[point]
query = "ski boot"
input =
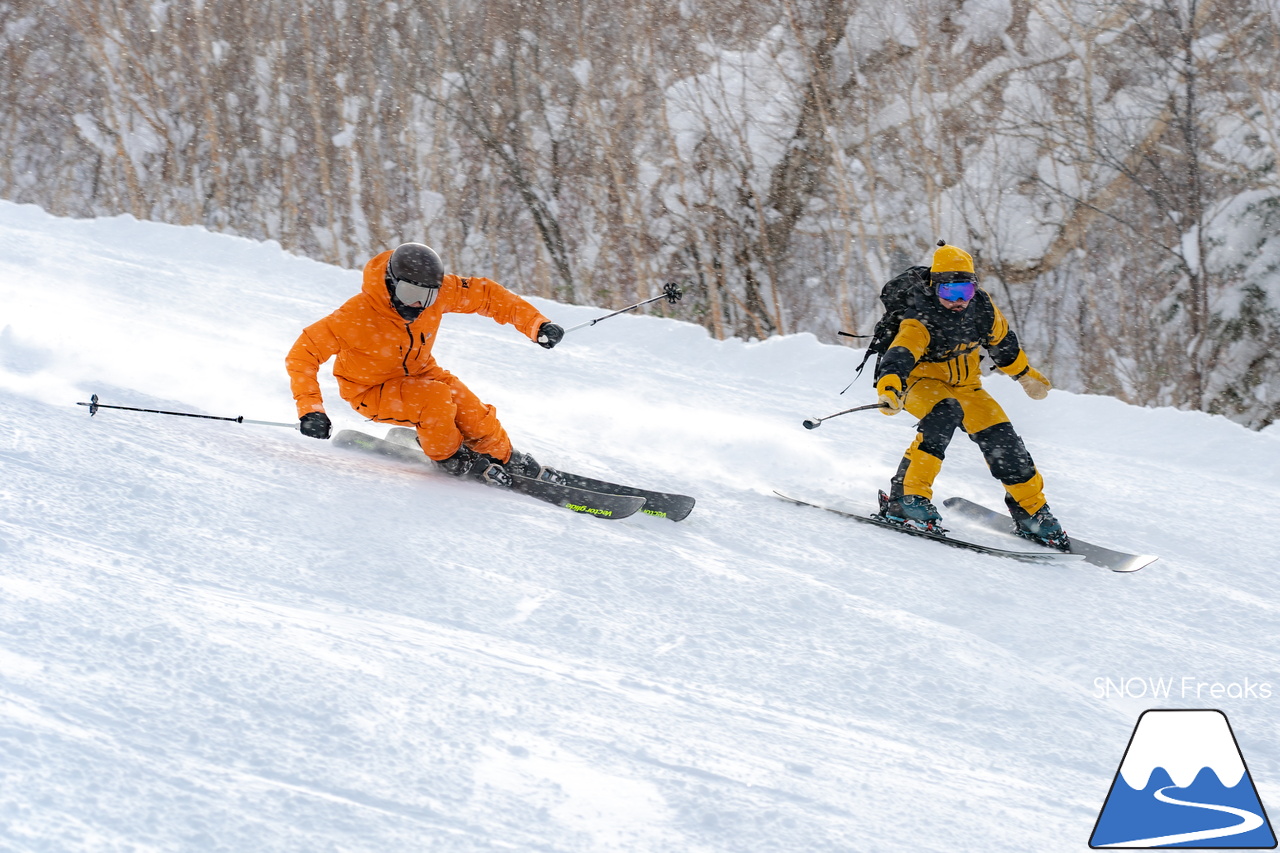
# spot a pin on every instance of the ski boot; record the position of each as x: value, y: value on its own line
x: 468, y: 464
x: 1040, y: 527
x: 911, y: 511
x: 524, y: 465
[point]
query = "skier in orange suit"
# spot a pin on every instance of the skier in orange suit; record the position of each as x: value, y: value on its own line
x: 382, y: 338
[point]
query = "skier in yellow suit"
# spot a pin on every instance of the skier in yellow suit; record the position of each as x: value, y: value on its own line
x: 931, y: 370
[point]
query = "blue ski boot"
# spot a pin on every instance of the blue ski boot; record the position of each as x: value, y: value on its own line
x: 911, y: 511
x: 1040, y: 527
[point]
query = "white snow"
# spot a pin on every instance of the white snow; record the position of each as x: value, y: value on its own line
x: 216, y: 636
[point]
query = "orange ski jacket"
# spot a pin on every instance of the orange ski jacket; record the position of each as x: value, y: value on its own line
x: 373, y: 343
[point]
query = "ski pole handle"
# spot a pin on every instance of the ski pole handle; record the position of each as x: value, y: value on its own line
x: 670, y: 292
x: 94, y: 405
x: 814, y: 423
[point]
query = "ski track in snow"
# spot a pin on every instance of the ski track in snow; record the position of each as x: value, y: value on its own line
x: 223, y: 637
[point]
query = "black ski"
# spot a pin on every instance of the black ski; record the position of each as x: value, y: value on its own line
x: 1045, y: 556
x: 1116, y: 561
x: 661, y: 504
x: 585, y: 501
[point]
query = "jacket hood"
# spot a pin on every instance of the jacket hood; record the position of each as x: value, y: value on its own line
x: 374, y: 286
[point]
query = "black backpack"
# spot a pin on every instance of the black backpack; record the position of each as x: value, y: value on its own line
x: 897, y: 295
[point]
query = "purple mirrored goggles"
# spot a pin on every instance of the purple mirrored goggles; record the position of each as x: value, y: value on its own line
x: 956, y: 291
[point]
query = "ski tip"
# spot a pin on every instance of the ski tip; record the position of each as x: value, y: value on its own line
x: 620, y: 508
x: 1133, y: 564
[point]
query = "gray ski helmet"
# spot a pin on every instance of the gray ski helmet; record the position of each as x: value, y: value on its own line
x: 417, y: 264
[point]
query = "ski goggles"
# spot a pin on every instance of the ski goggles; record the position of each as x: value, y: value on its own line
x: 410, y: 292
x: 956, y: 291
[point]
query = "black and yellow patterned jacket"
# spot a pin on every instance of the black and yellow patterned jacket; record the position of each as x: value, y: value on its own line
x: 935, y: 343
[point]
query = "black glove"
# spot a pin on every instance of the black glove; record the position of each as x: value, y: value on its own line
x: 315, y: 425
x: 549, y: 334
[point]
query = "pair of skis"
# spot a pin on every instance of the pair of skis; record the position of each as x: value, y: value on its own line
x: 604, y: 499
x: 1116, y: 561
x: 575, y: 492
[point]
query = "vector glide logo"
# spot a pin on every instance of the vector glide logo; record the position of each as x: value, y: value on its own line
x: 1183, y: 783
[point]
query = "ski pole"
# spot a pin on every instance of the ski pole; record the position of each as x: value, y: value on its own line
x: 670, y: 292
x: 814, y: 423
x: 94, y: 405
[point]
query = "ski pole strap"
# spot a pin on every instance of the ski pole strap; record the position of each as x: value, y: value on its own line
x: 94, y: 405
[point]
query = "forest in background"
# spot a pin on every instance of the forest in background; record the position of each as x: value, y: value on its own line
x: 1112, y: 166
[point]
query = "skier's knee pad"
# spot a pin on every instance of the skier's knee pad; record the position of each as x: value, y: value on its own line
x: 937, y: 427
x: 1006, y: 455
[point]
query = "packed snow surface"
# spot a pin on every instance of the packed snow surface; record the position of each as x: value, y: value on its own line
x: 219, y: 636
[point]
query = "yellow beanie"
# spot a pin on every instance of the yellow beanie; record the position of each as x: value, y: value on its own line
x: 949, y: 259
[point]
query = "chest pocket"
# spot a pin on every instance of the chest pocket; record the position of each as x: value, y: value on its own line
x: 955, y: 341
x: 951, y: 353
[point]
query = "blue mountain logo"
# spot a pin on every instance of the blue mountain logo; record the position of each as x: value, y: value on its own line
x: 1183, y: 783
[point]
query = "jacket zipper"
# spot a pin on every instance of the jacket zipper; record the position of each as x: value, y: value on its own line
x: 404, y: 362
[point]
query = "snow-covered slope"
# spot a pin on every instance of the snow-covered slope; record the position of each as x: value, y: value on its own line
x: 217, y: 636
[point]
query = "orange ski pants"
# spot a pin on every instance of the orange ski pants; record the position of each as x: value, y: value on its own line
x: 445, y: 412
